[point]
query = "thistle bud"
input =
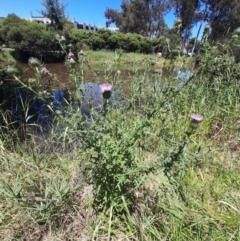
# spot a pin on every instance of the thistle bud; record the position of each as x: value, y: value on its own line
x: 207, y: 27
x: 62, y: 39
x: 237, y: 31
x: 11, y: 70
x: 34, y: 62
x: 72, y: 61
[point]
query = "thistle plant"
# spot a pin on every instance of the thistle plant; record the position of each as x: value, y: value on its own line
x: 115, y: 172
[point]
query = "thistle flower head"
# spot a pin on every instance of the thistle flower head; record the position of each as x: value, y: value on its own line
x: 70, y: 55
x: 34, y: 62
x: 43, y: 70
x: 106, y: 90
x: 197, y: 117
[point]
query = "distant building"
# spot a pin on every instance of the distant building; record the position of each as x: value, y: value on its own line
x: 110, y: 29
x: 39, y: 19
x: 113, y: 29
x: 84, y: 26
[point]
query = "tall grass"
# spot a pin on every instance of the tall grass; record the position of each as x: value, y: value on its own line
x: 138, y: 170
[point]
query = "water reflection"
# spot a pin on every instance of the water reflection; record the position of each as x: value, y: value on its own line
x: 182, y: 76
x: 60, y: 70
x: 29, y: 109
x: 91, y: 98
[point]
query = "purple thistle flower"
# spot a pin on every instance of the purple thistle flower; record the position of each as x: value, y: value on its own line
x: 197, y: 117
x: 106, y: 90
x: 70, y: 55
x: 43, y: 70
x: 238, y: 123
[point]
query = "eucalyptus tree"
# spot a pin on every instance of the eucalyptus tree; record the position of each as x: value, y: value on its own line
x: 55, y: 11
x: 145, y: 17
x: 223, y: 17
x: 189, y: 11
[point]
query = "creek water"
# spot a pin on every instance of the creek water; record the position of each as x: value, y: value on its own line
x: 58, y: 80
x: 55, y: 89
x: 61, y: 73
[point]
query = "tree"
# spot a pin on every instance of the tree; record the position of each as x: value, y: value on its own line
x: 189, y: 13
x: 10, y: 23
x: 145, y: 17
x: 55, y: 11
x: 223, y: 17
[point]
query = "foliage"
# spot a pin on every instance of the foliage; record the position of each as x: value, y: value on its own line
x: 113, y: 162
x: 235, y: 46
x: 188, y: 12
x: 217, y: 65
x: 29, y: 39
x: 142, y: 17
x: 223, y: 17
x: 55, y: 11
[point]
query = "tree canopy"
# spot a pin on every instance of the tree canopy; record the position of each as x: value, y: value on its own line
x: 188, y: 12
x: 145, y: 17
x: 223, y: 16
x: 55, y: 11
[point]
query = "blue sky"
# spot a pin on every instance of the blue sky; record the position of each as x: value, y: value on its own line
x: 88, y: 11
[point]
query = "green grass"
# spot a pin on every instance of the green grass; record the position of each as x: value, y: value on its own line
x: 126, y: 59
